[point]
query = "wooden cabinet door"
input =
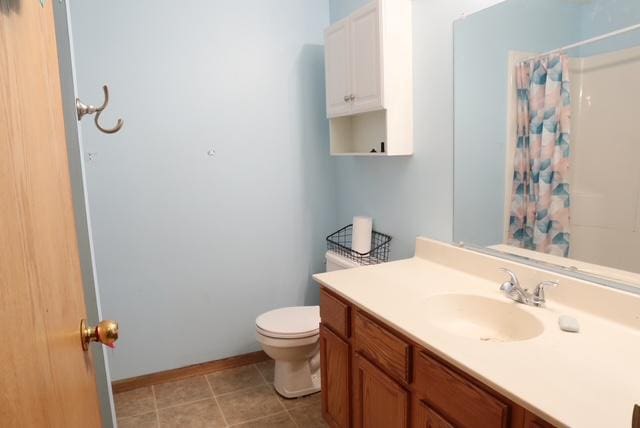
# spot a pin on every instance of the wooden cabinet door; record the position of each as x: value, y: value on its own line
x: 366, y: 71
x: 337, y: 64
x: 426, y: 417
x: 335, y: 358
x: 379, y: 402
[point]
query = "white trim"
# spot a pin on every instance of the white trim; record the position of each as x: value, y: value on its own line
x: 75, y: 152
x: 637, y: 228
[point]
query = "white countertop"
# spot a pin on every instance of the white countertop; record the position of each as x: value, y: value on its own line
x: 586, y: 379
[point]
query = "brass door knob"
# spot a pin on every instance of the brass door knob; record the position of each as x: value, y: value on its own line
x: 106, y: 332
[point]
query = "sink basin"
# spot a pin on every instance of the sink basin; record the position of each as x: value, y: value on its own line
x: 481, y: 318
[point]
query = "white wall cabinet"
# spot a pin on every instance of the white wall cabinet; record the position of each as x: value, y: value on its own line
x: 369, y: 74
x: 338, y: 69
x: 353, y: 66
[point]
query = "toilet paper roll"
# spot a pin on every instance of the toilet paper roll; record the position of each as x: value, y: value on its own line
x: 361, y: 234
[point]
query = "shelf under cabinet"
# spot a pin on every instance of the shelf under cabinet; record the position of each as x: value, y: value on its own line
x: 358, y: 134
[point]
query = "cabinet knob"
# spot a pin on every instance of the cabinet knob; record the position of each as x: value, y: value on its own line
x: 347, y: 98
x: 352, y: 97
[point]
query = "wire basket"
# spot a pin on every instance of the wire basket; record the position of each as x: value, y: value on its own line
x: 340, y: 242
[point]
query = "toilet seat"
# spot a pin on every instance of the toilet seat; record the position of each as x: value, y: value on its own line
x: 295, y: 322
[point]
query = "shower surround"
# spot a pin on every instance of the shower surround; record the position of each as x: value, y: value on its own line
x: 605, y: 178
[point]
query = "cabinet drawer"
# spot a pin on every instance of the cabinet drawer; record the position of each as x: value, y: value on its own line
x: 335, y: 313
x: 457, y: 398
x: 391, y: 353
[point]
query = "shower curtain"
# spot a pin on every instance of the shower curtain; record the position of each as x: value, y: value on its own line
x: 539, y: 214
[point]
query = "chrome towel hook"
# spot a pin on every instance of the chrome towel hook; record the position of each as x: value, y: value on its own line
x: 83, y: 109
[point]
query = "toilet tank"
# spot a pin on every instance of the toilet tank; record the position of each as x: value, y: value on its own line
x: 336, y: 262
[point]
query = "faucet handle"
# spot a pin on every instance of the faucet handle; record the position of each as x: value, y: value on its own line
x: 512, y: 288
x: 506, y: 286
x: 538, y: 292
x: 513, y: 280
x: 540, y: 287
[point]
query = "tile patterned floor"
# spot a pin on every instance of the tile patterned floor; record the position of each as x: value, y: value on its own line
x: 239, y: 397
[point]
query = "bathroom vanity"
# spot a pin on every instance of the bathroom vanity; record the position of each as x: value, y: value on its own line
x: 372, y: 372
x: 431, y: 342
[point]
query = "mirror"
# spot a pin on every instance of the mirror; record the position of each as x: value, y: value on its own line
x: 546, y: 141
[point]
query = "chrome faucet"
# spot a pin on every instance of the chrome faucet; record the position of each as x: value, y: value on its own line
x: 514, y: 291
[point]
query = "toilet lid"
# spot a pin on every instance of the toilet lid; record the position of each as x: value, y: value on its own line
x: 290, y: 323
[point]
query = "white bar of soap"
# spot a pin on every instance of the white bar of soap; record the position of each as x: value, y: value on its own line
x: 569, y: 324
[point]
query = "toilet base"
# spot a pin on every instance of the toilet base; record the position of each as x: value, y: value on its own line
x: 294, y: 379
x: 297, y: 363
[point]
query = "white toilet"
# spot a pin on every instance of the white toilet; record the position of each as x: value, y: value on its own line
x: 291, y: 336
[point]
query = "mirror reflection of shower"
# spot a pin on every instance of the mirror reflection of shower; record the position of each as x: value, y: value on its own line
x: 605, y: 186
x: 545, y: 160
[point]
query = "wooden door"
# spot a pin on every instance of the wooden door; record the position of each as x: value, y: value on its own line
x: 366, y: 72
x: 379, y: 402
x: 337, y: 69
x: 46, y: 379
x: 336, y: 379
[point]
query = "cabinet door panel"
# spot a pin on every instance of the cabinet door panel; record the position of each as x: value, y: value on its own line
x: 426, y: 417
x: 336, y: 380
x: 366, y: 79
x: 337, y: 69
x: 379, y: 402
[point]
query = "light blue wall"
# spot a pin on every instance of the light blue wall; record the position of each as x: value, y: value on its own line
x: 481, y: 45
x: 191, y: 248
x: 412, y: 196
x: 603, y: 16
x: 342, y: 8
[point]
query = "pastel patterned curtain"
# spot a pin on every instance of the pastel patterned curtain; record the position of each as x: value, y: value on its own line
x: 540, y: 202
